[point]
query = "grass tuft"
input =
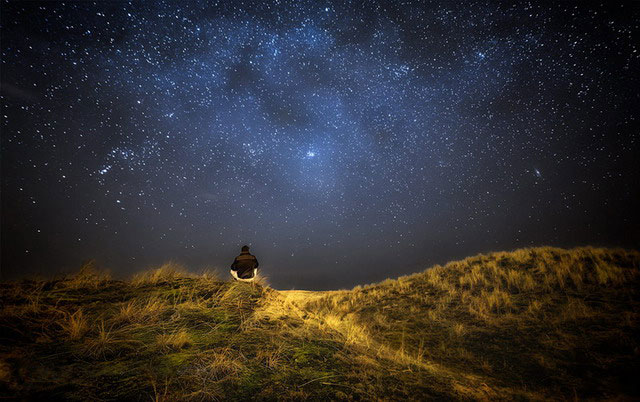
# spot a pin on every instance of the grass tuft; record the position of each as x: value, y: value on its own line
x: 167, y: 273
x: 75, y: 325
x: 174, y: 341
x: 88, y: 277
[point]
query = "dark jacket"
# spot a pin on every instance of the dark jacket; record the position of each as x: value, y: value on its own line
x: 244, y: 265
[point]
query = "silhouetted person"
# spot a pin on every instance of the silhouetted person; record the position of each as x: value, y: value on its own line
x: 245, y: 266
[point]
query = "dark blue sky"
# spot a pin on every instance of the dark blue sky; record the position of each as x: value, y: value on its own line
x: 345, y: 142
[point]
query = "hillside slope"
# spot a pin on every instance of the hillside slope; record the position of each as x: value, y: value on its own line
x: 535, y: 323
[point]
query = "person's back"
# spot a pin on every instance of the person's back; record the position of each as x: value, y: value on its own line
x: 245, y: 266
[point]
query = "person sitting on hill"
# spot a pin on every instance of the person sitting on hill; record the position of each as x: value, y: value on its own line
x: 245, y: 266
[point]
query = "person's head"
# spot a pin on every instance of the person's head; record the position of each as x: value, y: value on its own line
x: 245, y: 249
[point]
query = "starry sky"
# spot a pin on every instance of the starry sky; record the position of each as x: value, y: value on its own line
x: 345, y: 142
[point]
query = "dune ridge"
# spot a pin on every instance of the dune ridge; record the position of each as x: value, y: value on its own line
x: 534, y: 323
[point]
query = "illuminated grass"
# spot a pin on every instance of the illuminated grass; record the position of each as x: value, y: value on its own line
x: 535, y: 323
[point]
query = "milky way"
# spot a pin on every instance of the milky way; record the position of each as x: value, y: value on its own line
x: 345, y: 142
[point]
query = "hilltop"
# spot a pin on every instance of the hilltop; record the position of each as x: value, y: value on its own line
x: 537, y: 323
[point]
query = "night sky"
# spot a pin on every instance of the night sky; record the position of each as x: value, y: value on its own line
x: 344, y: 142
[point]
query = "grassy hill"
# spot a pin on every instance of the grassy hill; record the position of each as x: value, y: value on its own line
x: 539, y: 323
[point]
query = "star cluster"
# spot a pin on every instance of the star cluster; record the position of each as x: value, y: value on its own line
x: 346, y: 142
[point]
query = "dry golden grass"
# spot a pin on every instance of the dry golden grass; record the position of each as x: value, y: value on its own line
x: 174, y: 341
x: 470, y: 312
x: 107, y: 341
x: 88, y: 277
x: 222, y: 363
x: 168, y: 272
x: 141, y: 311
x: 539, y: 323
x: 74, y: 325
x: 272, y: 355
